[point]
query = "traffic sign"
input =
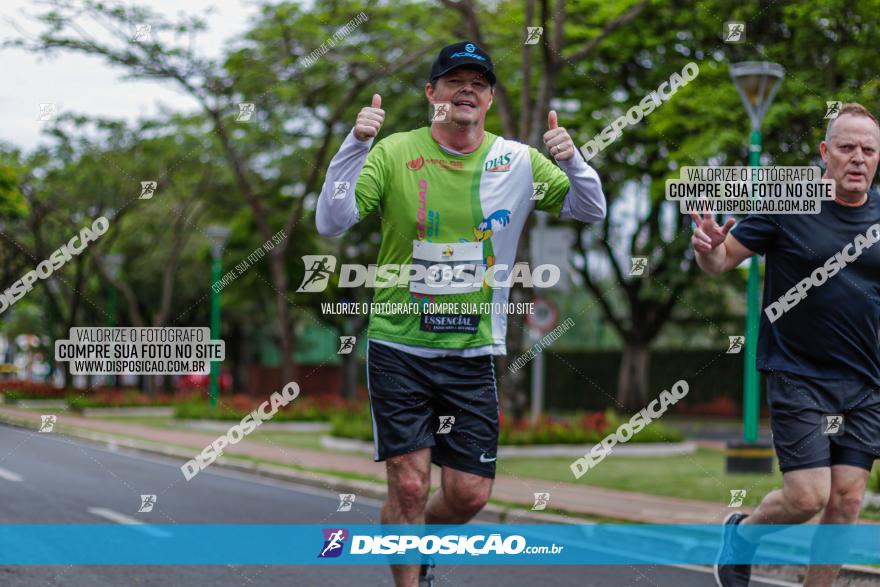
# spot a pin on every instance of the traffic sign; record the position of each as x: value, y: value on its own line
x: 545, y: 316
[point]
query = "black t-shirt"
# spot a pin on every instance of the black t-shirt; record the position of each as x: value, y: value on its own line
x: 833, y: 332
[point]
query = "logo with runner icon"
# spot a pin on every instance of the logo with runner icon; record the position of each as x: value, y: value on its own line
x: 319, y: 268
x: 334, y: 542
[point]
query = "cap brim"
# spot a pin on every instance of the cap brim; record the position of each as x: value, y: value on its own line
x: 485, y: 70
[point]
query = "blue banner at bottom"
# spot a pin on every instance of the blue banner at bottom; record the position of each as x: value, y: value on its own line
x: 538, y: 544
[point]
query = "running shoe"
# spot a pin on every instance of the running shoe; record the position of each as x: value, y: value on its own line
x: 729, y: 572
x: 426, y: 574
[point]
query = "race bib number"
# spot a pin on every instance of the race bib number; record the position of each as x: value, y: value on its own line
x: 446, y: 268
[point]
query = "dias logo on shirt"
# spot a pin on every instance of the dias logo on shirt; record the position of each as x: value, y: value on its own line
x: 499, y: 164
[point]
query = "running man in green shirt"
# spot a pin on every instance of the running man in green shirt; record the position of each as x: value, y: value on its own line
x: 453, y: 200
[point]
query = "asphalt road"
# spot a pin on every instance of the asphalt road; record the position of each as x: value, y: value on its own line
x: 53, y: 479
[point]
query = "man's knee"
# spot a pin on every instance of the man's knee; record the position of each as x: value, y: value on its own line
x: 807, y: 500
x: 847, y: 502
x: 408, y: 484
x: 468, y: 499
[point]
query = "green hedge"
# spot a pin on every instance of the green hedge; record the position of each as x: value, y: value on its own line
x: 357, y: 425
x: 117, y: 399
x: 578, y: 381
x: 303, y: 409
x: 571, y: 430
x: 588, y: 380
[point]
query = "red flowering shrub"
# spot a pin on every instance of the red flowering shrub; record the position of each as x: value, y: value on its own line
x: 118, y: 398
x: 16, y: 390
x: 722, y: 407
x: 588, y: 428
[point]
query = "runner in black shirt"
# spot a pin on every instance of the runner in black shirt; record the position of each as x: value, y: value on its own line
x: 819, y: 342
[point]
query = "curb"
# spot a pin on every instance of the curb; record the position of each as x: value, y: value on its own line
x: 223, y: 425
x: 144, y: 411
x: 853, y: 575
x: 648, y: 449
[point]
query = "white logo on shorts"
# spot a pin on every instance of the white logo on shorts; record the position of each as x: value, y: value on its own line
x: 833, y: 424
x: 446, y: 423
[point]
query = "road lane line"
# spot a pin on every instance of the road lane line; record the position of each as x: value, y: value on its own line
x: 136, y: 524
x: 10, y: 476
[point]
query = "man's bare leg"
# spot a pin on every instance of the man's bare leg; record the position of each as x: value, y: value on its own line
x: 409, y: 482
x: 461, y: 496
x: 847, y: 490
x: 804, y: 493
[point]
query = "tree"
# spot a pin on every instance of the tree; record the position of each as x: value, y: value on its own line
x: 267, y: 71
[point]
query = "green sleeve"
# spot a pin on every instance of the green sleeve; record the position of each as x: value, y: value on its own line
x: 372, y: 181
x: 543, y: 170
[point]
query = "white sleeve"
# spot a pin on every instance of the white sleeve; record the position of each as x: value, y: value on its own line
x: 585, y: 200
x: 337, y: 210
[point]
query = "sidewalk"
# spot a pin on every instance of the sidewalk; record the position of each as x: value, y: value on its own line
x: 570, y: 497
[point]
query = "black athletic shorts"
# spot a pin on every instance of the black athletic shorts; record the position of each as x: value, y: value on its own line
x: 823, y: 422
x: 447, y: 404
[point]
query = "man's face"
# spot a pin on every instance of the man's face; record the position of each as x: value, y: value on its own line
x: 468, y: 91
x: 851, y: 154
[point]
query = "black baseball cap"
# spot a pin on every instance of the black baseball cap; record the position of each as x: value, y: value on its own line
x: 461, y: 54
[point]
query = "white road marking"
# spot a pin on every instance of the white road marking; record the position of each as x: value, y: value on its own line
x: 136, y: 524
x: 10, y: 476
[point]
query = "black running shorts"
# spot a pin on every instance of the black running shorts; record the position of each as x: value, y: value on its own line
x: 823, y: 422
x: 447, y: 404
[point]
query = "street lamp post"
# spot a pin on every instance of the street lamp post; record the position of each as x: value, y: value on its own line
x: 113, y: 265
x: 218, y: 236
x: 757, y: 83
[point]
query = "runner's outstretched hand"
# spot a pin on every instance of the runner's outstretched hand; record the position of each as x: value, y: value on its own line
x: 708, y: 234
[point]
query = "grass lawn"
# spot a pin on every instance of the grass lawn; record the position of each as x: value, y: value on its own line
x: 697, y: 476
x: 310, y: 440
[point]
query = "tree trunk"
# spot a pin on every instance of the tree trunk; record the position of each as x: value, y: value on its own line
x: 514, y: 385
x: 68, y: 378
x: 285, y: 324
x: 238, y: 354
x: 632, y: 378
x: 149, y: 385
x: 350, y: 365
